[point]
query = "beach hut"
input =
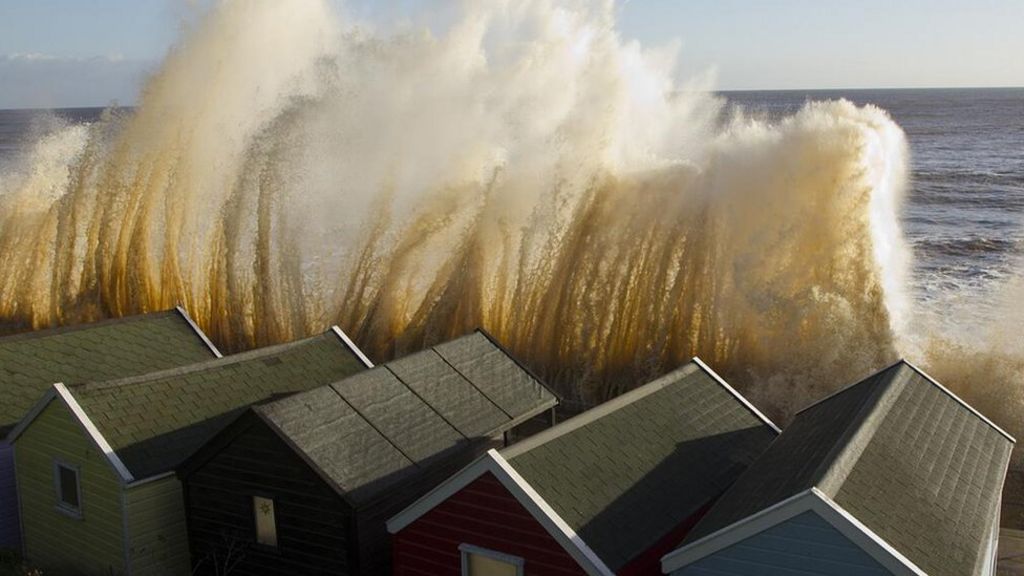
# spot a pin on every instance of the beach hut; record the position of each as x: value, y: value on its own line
x: 893, y: 475
x: 305, y: 484
x: 32, y: 362
x: 605, y: 493
x: 95, y: 462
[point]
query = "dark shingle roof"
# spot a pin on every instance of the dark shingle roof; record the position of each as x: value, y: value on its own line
x: 377, y: 428
x: 898, y: 452
x: 31, y: 362
x: 625, y: 474
x: 155, y: 421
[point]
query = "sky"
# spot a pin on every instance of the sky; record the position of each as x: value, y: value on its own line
x: 59, y: 53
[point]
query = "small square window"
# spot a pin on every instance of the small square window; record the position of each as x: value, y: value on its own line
x: 478, y: 561
x: 68, y: 487
x: 266, y: 525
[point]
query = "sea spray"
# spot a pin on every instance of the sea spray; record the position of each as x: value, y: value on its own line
x: 525, y: 170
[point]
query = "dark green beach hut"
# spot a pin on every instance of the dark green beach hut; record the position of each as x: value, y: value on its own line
x: 304, y: 485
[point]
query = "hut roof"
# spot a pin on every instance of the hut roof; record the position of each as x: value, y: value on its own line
x: 372, y: 430
x: 899, y: 453
x: 33, y: 361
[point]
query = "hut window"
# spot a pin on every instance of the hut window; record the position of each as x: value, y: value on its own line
x: 483, y: 562
x: 266, y: 526
x: 69, y: 489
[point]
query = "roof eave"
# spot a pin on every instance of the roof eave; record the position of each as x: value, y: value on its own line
x: 809, y: 500
x: 61, y: 391
x: 960, y: 401
x: 497, y: 344
x: 351, y: 346
x: 494, y: 463
x: 302, y: 454
x: 721, y: 381
x: 199, y: 332
x: 31, y: 415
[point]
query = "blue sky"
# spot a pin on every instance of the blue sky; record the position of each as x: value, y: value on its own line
x: 92, y: 52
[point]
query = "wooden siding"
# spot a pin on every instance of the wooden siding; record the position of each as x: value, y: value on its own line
x: 10, y: 527
x: 482, y: 514
x: 805, y: 545
x: 158, y: 540
x: 54, y: 541
x: 313, y: 524
x: 374, y: 541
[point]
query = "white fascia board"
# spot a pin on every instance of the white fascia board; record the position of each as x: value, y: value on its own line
x: 442, y: 492
x: 36, y: 410
x: 721, y: 381
x: 809, y: 500
x: 150, y: 479
x: 199, y: 332
x: 960, y: 401
x: 494, y: 463
x: 93, y: 432
x: 548, y: 518
x: 352, y: 346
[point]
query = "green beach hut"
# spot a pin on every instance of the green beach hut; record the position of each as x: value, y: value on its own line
x: 95, y: 461
x: 31, y: 362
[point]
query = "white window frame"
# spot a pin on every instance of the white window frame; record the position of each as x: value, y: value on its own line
x: 256, y: 521
x: 62, y: 506
x: 467, y: 549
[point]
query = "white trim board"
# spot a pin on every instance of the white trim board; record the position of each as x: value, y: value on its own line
x: 494, y: 463
x: 809, y: 500
x: 94, y: 432
x: 202, y: 335
x: 926, y: 376
x: 959, y: 400
x: 721, y: 381
x: 31, y: 415
x: 351, y: 346
x: 61, y: 391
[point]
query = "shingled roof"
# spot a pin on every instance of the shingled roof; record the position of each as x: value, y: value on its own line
x: 31, y: 362
x: 377, y: 428
x: 905, y: 457
x: 614, y: 481
x: 153, y: 422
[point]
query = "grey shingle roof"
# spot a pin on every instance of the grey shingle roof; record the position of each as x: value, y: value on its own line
x: 157, y: 420
x: 375, y: 429
x: 625, y: 474
x: 31, y: 362
x: 898, y: 452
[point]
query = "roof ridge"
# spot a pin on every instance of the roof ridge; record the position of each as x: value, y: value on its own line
x: 70, y: 328
x: 848, y: 387
x: 599, y: 411
x: 198, y: 366
x: 926, y: 376
x: 837, y: 464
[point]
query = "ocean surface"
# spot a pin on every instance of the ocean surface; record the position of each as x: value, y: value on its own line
x: 964, y: 216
